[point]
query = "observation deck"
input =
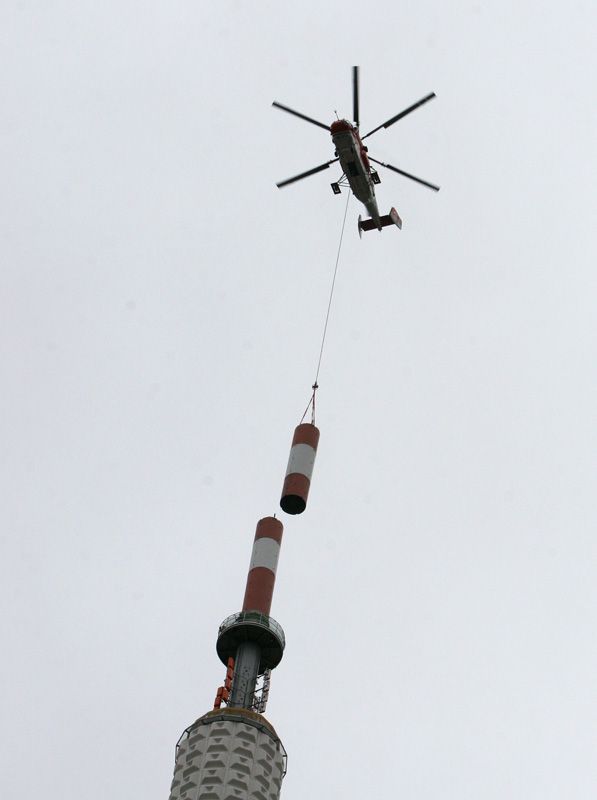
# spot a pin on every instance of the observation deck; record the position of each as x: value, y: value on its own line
x: 251, y: 626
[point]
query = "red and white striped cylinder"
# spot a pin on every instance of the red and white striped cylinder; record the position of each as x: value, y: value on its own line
x: 264, y: 562
x: 300, y: 468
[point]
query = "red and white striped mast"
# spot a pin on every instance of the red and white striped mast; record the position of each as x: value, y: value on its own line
x: 233, y: 748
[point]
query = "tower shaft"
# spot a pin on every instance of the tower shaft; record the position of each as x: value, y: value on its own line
x: 246, y: 671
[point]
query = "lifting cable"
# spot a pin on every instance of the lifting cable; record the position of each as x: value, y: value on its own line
x: 315, y: 386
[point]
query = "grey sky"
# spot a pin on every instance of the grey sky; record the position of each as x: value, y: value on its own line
x: 162, y: 305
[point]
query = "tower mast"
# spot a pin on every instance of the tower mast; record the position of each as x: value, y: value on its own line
x: 233, y: 751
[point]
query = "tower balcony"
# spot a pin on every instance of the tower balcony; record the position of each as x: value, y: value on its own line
x: 251, y: 626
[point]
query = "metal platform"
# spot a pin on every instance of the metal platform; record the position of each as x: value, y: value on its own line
x: 251, y: 626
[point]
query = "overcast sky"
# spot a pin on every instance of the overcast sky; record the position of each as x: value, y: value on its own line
x: 162, y: 307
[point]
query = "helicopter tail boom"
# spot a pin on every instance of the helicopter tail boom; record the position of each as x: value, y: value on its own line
x: 389, y: 219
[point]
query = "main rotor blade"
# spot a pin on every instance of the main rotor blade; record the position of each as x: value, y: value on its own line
x: 355, y: 95
x: 401, y: 114
x: 306, y: 174
x: 302, y: 116
x: 406, y: 174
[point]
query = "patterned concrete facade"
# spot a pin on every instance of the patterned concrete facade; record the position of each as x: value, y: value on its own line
x: 229, y: 754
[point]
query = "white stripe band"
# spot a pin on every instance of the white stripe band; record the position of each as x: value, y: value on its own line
x: 301, y: 460
x: 265, y: 554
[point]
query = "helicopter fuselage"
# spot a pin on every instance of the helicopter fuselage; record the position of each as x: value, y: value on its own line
x: 352, y: 155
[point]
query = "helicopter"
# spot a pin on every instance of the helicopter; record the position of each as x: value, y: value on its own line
x: 354, y: 158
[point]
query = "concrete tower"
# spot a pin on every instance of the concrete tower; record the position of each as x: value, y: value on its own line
x: 232, y: 751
